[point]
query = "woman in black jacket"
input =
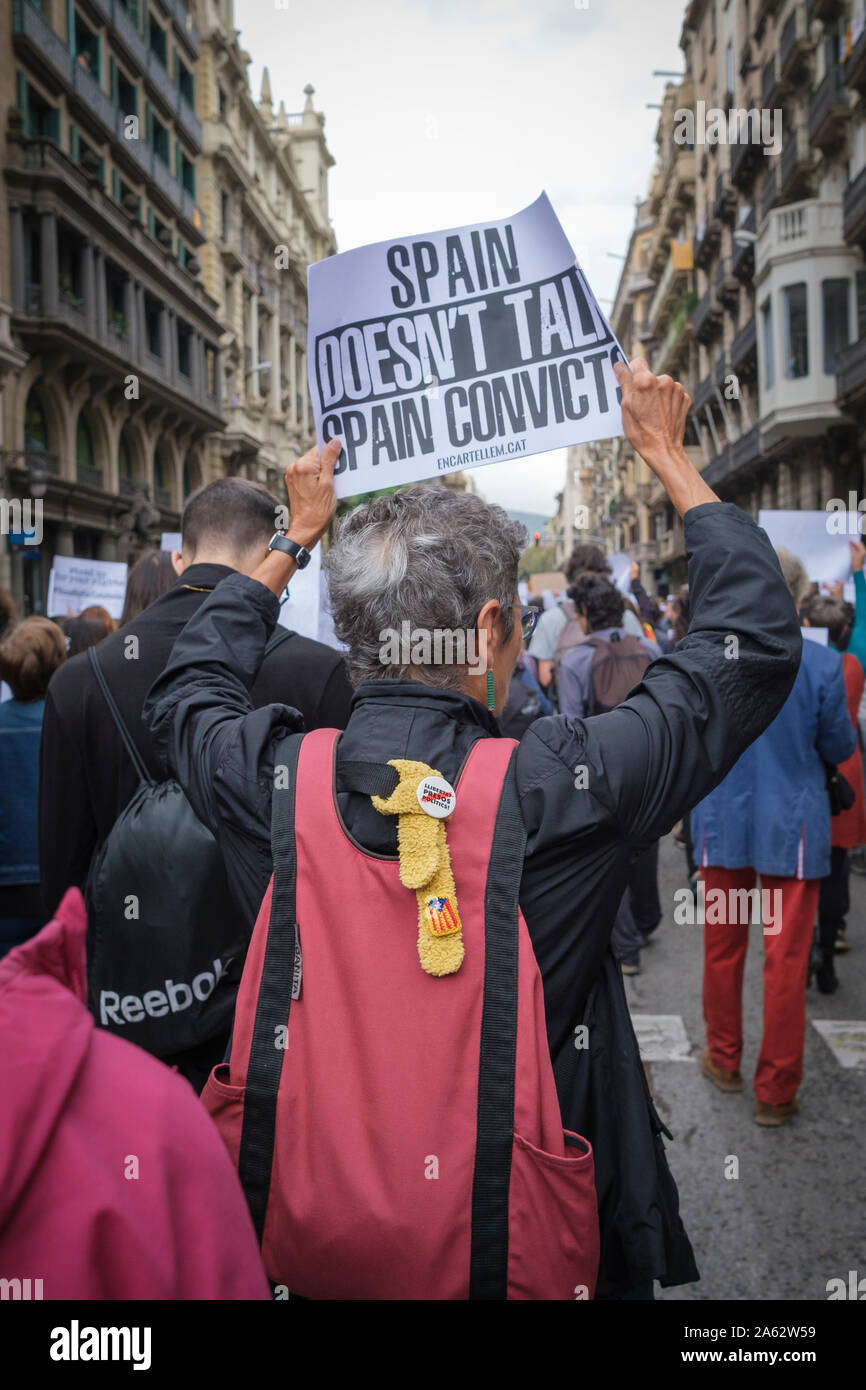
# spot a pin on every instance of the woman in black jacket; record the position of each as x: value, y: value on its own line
x: 592, y: 792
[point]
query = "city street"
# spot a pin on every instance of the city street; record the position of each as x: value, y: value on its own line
x: 792, y: 1219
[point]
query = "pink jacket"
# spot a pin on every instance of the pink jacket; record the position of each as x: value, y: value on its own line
x: 114, y: 1183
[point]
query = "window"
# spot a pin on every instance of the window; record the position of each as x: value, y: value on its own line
x: 769, y: 354
x: 184, y: 349
x: 159, y: 474
x: 224, y: 216
x: 729, y: 67
x: 837, y: 335
x: 187, y: 481
x: 221, y: 98
x: 87, y: 55
x: 185, y: 170
x: 124, y: 459
x: 115, y: 299
x: 861, y: 303
x: 160, y: 140
x: 41, y: 120
x: 153, y: 325
x: 796, y: 332
x: 84, y: 444
x: 185, y: 82
x: 127, y: 94
x: 69, y: 279
x: 35, y: 427
x: 158, y: 41
x: 210, y: 371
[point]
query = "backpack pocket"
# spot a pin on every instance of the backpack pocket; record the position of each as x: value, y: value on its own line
x: 225, y: 1105
x: 553, y: 1241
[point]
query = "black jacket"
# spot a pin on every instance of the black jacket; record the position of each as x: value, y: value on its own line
x: 645, y: 763
x: 86, y: 776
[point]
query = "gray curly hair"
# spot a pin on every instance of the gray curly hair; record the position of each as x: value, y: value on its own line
x: 426, y: 556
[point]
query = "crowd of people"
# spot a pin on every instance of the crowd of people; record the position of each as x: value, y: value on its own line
x: 333, y: 946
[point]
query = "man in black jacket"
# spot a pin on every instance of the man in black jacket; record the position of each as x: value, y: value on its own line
x: 592, y: 791
x: 86, y: 775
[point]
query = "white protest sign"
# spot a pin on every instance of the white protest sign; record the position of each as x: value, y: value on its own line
x: 820, y: 635
x: 434, y: 353
x: 620, y: 570
x: 170, y: 540
x: 80, y: 583
x: 300, y: 612
x: 818, y: 539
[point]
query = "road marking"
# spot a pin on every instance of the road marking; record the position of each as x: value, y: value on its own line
x: 846, y: 1039
x: 662, y: 1038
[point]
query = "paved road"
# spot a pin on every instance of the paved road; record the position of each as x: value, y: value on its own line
x: 795, y: 1216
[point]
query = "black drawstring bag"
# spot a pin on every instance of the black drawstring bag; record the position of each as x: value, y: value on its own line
x: 841, y: 793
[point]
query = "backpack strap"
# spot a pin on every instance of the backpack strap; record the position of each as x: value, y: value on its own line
x: 126, y: 736
x: 488, y: 1270
x: 274, y: 1001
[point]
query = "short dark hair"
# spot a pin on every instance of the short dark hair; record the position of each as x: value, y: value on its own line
x: 583, y: 558
x: 832, y: 613
x: 597, y: 600
x: 233, y: 511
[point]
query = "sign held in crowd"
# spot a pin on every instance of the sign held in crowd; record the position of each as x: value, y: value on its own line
x: 435, y: 353
x: 75, y: 584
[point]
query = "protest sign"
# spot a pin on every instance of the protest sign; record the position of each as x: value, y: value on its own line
x: 170, y: 540
x: 434, y: 353
x: 821, y: 635
x: 300, y: 611
x: 554, y: 580
x: 818, y: 539
x: 76, y: 584
x: 620, y: 570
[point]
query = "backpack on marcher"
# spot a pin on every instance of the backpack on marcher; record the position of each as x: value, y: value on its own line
x: 618, y: 665
x: 397, y: 1131
x: 165, y: 941
x: 570, y: 636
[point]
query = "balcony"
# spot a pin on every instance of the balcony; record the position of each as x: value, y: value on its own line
x: 718, y: 468
x: 189, y: 123
x: 43, y: 47
x: 725, y: 201
x: 184, y: 24
x: 854, y: 211
x: 707, y: 240
x: 771, y: 87
x: 166, y: 181
x: 705, y: 393
x: 747, y: 449
x: 161, y: 82
x: 727, y: 285
x: 128, y: 36
x: 707, y: 317
x: 823, y: 9
x: 851, y: 376
x: 668, y: 286
x: 743, y: 251
x: 744, y: 350
x: 769, y: 192
x: 794, y: 45
x: 745, y: 162
x: 854, y: 66
x: 88, y: 477
x: 94, y: 99
x: 828, y: 112
x: 674, y: 346
x: 796, y: 166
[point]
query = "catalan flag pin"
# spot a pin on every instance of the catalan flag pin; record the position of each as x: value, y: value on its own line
x: 442, y: 916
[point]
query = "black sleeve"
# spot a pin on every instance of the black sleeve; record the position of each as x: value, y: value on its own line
x: 640, y: 767
x: 643, y: 601
x: 67, y: 829
x: 207, y: 732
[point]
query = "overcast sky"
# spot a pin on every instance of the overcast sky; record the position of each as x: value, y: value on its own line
x: 447, y: 112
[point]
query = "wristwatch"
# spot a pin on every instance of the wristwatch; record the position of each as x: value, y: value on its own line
x: 299, y: 553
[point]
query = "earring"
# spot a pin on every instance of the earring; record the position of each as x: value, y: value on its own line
x: 491, y: 691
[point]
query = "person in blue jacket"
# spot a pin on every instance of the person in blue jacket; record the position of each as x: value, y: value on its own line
x: 29, y: 655
x: 770, y: 817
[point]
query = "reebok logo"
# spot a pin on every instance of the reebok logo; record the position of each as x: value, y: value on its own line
x: 174, y: 997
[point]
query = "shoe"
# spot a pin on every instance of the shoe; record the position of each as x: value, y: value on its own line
x: 841, y: 944
x: 825, y: 976
x: 774, y: 1115
x: 725, y: 1080
x: 630, y: 969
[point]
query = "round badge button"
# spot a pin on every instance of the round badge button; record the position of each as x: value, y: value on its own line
x: 436, y: 797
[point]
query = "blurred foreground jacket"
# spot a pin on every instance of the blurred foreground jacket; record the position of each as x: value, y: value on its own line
x: 114, y: 1183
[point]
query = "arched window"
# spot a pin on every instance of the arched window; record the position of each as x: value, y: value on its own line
x: 187, y: 482
x: 124, y: 459
x: 84, y: 444
x: 35, y: 426
x: 159, y: 473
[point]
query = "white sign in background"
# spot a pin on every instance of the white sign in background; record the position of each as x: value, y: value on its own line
x: 430, y: 354
x: 76, y: 584
x: 814, y: 538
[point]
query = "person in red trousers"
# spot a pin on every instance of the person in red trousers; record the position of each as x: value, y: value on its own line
x: 770, y: 818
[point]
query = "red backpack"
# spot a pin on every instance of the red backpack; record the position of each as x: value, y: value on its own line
x: 399, y: 1135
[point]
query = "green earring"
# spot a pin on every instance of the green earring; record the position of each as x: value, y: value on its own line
x: 491, y: 691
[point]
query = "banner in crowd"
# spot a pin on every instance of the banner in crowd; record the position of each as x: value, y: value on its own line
x: 818, y: 539
x: 430, y: 354
x: 170, y: 540
x: 76, y: 584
